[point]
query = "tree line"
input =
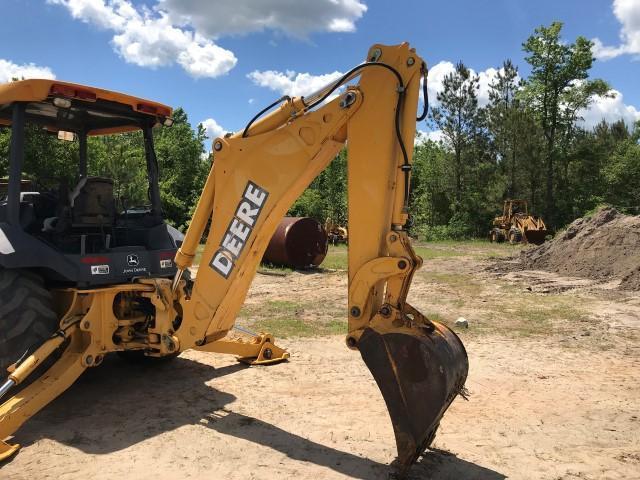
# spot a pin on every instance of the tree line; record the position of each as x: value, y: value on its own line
x: 527, y: 143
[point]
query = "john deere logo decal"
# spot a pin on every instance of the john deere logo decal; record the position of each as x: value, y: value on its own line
x: 239, y: 230
x: 132, y: 260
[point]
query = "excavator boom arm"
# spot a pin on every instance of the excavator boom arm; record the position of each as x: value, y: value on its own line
x: 256, y: 177
x: 418, y: 364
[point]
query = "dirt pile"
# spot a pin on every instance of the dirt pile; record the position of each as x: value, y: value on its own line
x: 603, y: 247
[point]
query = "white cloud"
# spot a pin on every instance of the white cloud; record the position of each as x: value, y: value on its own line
x: 485, y: 79
x: 212, y: 128
x: 296, y: 84
x: 10, y: 70
x: 628, y: 14
x: 435, y: 80
x: 440, y: 70
x: 150, y: 39
x: 423, y: 136
x: 610, y: 109
x: 292, y: 17
x: 183, y: 31
x: 341, y: 25
x: 290, y: 82
x: 106, y: 16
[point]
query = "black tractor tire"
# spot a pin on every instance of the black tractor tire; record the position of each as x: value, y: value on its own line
x: 499, y: 236
x: 515, y: 237
x: 493, y: 236
x: 27, y: 317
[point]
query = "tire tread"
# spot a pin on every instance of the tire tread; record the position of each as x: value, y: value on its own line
x: 27, y: 317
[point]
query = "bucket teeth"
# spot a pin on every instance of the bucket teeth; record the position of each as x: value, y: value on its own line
x: 419, y: 374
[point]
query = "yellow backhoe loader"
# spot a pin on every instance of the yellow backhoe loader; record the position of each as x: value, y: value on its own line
x: 419, y: 365
x: 516, y: 225
x: 336, y: 233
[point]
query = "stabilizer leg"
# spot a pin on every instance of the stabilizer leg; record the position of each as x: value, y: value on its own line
x: 259, y: 350
x: 7, y: 450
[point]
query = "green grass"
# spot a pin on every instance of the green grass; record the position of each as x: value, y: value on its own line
x: 455, y: 243
x: 478, y: 248
x: 538, y: 315
x: 459, y: 283
x: 514, y: 313
x: 436, y: 317
x: 509, y: 311
x: 288, y: 319
x: 268, y: 268
x: 429, y: 252
x: 336, y: 258
x: 281, y: 308
x: 289, y: 327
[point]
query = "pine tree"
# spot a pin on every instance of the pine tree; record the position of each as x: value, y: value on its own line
x: 556, y: 90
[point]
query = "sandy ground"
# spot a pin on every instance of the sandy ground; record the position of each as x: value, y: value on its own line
x: 561, y: 404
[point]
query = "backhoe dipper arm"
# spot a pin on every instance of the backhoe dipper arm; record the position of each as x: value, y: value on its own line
x: 258, y: 173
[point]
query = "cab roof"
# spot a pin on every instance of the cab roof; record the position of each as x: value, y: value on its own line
x: 80, y: 108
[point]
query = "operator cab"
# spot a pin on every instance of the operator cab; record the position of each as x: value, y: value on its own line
x: 516, y: 207
x: 78, y: 229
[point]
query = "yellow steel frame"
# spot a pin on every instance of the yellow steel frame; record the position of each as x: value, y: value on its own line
x: 38, y: 90
x: 282, y: 153
x: 259, y: 350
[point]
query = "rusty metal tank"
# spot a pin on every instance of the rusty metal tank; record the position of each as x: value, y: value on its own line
x: 299, y: 242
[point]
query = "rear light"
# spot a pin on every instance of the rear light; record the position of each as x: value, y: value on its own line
x: 144, y: 108
x: 92, y: 260
x: 73, y: 92
x: 66, y: 136
x: 86, y: 95
x: 153, y: 109
x: 164, y: 255
x: 63, y: 90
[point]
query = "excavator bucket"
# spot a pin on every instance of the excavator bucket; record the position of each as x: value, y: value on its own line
x: 419, y: 374
x: 536, y: 237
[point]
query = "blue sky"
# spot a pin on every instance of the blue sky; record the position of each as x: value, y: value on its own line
x: 223, y: 60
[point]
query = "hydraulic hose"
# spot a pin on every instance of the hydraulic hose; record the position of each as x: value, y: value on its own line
x: 406, y: 166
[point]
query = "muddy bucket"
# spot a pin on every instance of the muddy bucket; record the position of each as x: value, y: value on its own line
x: 419, y: 372
x: 535, y: 236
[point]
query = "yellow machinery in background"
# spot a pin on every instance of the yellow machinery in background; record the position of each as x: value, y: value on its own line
x: 336, y: 233
x: 419, y: 365
x: 517, y: 225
